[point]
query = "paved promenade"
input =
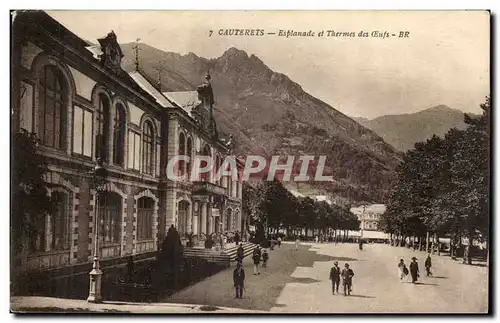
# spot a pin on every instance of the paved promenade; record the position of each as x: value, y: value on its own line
x: 297, y: 281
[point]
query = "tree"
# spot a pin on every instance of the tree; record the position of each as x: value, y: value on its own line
x: 30, y: 201
x: 443, y: 186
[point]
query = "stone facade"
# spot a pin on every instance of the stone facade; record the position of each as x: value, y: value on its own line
x: 100, y: 111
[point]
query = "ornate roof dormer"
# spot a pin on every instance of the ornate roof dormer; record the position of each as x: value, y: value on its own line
x: 205, y: 90
x: 112, y: 53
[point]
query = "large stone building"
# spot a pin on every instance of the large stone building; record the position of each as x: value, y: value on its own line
x: 83, y: 106
x: 369, y: 215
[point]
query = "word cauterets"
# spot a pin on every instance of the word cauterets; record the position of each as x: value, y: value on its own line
x: 241, y: 32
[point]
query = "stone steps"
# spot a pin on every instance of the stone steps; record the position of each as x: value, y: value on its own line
x: 218, y: 256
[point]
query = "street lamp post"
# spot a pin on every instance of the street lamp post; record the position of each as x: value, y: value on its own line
x: 99, y: 178
x: 362, y: 221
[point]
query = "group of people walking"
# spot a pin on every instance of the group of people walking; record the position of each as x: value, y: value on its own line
x: 346, y: 274
x: 414, y: 271
x: 258, y: 256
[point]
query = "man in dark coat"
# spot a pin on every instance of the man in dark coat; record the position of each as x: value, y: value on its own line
x: 335, y: 277
x: 240, y: 253
x: 414, y: 270
x: 428, y: 265
x: 347, y: 275
x: 239, y: 280
x: 236, y: 238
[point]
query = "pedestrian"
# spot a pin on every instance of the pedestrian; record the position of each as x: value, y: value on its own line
x: 335, y: 277
x: 317, y: 239
x: 240, y: 253
x: 428, y: 265
x: 279, y: 242
x: 265, y: 258
x: 414, y: 270
x: 402, y: 270
x: 239, y: 280
x: 236, y: 238
x: 347, y: 275
x: 360, y: 244
x: 297, y: 243
x: 256, y: 260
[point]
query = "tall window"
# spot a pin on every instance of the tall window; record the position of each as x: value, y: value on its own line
x: 119, y: 135
x: 189, y: 152
x: 182, y: 152
x: 147, y: 148
x: 216, y: 170
x: 53, y: 229
x: 206, y: 175
x: 183, y: 208
x: 110, y: 205
x: 82, y: 131
x: 145, y: 210
x: 102, y: 118
x: 52, y: 107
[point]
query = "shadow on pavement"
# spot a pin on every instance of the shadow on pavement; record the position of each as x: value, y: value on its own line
x: 343, y: 259
x: 439, y: 277
x: 261, y: 291
x: 476, y: 265
x: 361, y: 296
x: 417, y: 283
x: 305, y: 280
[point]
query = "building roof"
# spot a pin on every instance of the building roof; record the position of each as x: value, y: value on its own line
x: 374, y: 208
x: 187, y: 100
x: 368, y: 234
x: 95, y: 50
x: 150, y: 89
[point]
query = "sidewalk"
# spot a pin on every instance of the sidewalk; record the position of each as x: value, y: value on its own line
x: 35, y: 304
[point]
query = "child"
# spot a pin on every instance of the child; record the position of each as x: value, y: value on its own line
x: 265, y: 258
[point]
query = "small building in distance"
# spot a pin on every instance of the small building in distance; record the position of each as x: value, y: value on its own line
x: 369, y: 215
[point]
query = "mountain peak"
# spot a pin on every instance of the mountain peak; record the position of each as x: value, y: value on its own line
x: 440, y: 108
x: 234, y: 52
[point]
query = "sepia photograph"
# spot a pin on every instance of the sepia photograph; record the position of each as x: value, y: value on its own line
x: 250, y: 162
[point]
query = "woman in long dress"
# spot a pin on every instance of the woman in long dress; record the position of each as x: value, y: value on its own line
x: 401, y: 273
x: 414, y: 270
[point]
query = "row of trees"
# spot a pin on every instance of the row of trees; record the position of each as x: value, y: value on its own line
x: 272, y: 207
x: 443, y: 187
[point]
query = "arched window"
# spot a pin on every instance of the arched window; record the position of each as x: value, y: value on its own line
x: 147, y: 148
x: 119, y: 135
x: 53, y: 229
x: 182, y: 152
x: 52, y: 102
x: 110, y: 206
x: 189, y: 152
x: 102, y: 119
x: 145, y: 210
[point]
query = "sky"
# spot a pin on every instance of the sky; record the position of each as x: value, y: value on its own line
x: 444, y: 59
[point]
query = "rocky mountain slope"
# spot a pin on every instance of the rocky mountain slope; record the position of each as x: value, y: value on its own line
x: 268, y: 114
x: 404, y: 130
